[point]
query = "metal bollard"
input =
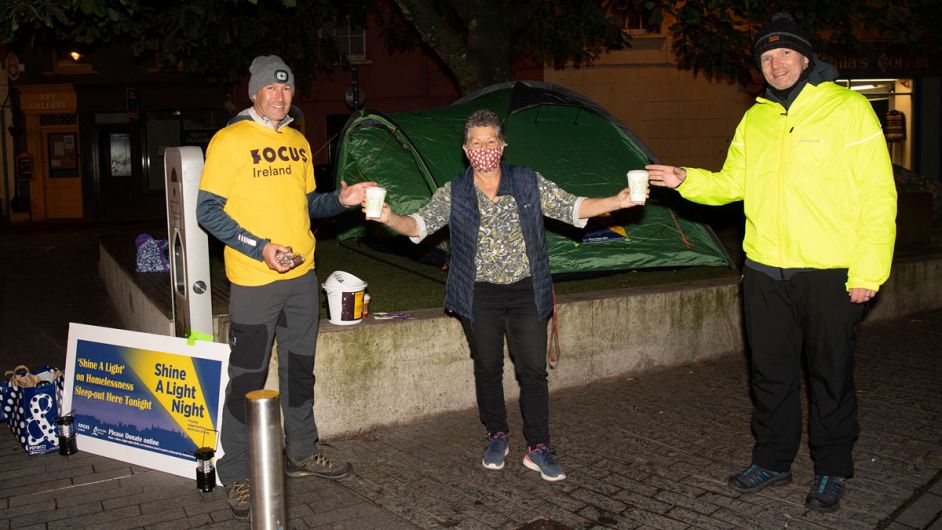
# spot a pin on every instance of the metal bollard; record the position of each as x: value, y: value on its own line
x: 266, y: 465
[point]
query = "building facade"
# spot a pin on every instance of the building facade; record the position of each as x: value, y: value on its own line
x: 88, y: 133
x: 689, y: 120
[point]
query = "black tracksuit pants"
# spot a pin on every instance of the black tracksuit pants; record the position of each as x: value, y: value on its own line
x: 811, y: 310
x: 509, y: 311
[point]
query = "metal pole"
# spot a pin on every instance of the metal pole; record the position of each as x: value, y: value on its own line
x: 356, y: 88
x: 266, y: 464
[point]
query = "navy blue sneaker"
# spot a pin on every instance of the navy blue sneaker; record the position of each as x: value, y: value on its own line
x: 540, y: 458
x: 826, y: 492
x: 496, y: 451
x: 755, y: 478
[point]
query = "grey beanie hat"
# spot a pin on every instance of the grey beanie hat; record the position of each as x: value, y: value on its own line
x: 268, y: 69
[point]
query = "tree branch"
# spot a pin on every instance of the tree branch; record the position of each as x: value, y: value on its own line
x: 445, y: 41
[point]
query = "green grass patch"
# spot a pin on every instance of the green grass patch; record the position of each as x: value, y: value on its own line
x: 396, y: 283
x: 399, y: 284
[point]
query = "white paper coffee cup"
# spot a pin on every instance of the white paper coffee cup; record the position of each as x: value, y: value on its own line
x: 375, y: 197
x: 638, y: 184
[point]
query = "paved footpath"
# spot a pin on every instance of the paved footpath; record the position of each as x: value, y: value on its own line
x: 647, y: 451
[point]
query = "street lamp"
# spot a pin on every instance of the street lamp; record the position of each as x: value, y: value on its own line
x: 355, y: 95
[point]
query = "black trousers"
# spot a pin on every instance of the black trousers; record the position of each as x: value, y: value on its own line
x: 810, y: 310
x: 509, y: 311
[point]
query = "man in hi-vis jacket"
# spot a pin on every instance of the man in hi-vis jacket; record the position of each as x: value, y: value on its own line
x: 810, y: 163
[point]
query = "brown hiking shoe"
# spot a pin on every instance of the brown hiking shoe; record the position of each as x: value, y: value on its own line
x: 238, y: 494
x: 318, y: 465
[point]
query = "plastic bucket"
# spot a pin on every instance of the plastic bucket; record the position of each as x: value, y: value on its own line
x: 344, y: 298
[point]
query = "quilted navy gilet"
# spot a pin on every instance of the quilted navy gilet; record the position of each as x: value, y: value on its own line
x: 465, y: 222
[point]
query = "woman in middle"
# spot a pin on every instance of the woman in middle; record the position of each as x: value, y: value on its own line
x: 499, y: 282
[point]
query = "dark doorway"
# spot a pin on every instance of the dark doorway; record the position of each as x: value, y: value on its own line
x: 120, y: 180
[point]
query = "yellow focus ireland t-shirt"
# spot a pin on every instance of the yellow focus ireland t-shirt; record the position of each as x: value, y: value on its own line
x: 265, y: 176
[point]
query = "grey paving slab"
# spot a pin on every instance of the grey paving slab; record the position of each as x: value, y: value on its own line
x: 936, y: 488
x: 896, y: 525
x: 356, y: 516
x: 61, y: 516
x: 192, y: 521
x: 925, y: 510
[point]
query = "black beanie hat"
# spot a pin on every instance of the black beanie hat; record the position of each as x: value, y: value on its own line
x: 782, y: 32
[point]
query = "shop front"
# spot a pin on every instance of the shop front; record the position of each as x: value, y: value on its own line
x: 49, y: 173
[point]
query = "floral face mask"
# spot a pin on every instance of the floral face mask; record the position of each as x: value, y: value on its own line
x: 485, y: 159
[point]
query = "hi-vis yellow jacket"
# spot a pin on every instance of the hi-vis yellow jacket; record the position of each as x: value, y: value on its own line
x: 816, y: 184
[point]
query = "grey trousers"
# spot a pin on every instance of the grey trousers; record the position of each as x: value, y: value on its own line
x: 288, y: 310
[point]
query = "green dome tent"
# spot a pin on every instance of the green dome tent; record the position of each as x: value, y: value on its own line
x: 566, y: 137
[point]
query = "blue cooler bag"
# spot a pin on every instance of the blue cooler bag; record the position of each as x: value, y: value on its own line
x: 6, y: 403
x: 34, y: 401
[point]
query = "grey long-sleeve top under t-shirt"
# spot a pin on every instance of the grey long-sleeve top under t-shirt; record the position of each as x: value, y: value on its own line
x: 211, y: 213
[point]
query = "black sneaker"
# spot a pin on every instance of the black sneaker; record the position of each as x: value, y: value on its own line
x: 238, y: 494
x: 826, y: 492
x: 755, y: 478
x: 318, y: 465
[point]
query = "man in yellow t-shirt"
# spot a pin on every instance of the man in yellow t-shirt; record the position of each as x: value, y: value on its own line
x: 257, y: 196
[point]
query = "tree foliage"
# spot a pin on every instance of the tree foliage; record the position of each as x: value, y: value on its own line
x: 478, y: 40
x: 214, y: 40
x: 715, y: 37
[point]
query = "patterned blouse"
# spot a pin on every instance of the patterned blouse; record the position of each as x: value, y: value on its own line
x: 501, y: 253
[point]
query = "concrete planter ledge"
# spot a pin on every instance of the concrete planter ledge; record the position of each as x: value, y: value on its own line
x: 382, y: 372
x: 395, y: 371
